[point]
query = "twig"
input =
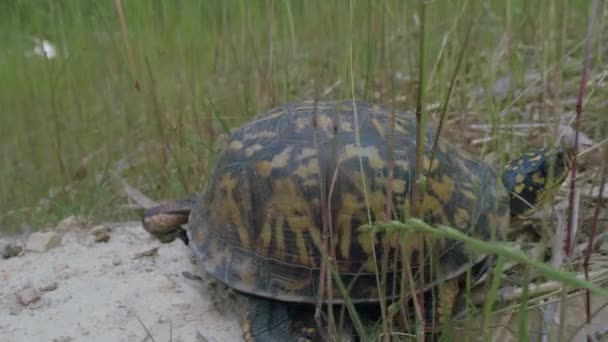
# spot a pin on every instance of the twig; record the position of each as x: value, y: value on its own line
x: 332, y: 87
x: 149, y: 335
x: 137, y: 196
x: 594, y: 147
x: 483, y: 127
x: 509, y: 294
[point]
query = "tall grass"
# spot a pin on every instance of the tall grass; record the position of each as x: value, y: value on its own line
x: 148, y: 90
x: 212, y: 65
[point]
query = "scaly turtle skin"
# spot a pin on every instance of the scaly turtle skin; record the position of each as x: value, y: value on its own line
x: 258, y: 224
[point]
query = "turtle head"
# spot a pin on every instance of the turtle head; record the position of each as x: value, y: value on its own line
x: 165, y: 221
x: 534, y: 177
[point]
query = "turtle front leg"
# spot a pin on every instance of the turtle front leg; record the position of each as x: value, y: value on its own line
x: 165, y: 220
x: 273, y: 321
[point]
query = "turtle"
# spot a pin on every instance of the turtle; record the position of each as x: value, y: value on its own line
x: 292, y: 186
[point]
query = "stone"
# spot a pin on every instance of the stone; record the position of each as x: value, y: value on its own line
x: 116, y: 261
x: 70, y: 223
x: 42, y: 241
x: 604, y: 246
x: 49, y: 287
x: 27, y: 296
x: 63, y: 339
x: 147, y: 253
x: 101, y: 233
x: 9, y: 249
x: 202, y: 338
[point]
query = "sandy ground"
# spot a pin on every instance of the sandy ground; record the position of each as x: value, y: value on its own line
x: 119, y: 291
x: 103, y: 291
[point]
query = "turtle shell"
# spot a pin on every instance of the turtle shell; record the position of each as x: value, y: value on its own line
x: 258, y: 224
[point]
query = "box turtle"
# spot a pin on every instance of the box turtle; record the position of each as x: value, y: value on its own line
x: 284, y: 176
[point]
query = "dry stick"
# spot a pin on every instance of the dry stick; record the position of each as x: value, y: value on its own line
x: 125, y: 38
x: 148, y: 334
x: 509, y: 294
x: 136, y: 195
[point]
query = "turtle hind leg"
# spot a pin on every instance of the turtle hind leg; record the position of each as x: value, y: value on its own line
x: 273, y: 321
x: 165, y: 220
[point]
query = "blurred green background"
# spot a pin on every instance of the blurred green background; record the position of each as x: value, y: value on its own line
x: 73, y: 125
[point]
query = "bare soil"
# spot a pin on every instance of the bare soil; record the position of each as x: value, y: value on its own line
x: 111, y: 291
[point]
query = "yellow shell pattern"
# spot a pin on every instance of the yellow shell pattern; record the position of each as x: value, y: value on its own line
x: 258, y: 224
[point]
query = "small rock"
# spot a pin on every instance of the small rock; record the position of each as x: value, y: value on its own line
x: 148, y: 253
x: 12, y: 250
x: 192, y: 276
x: 70, y: 223
x: 27, y: 296
x: 63, y: 339
x: 42, y: 242
x: 604, y: 246
x: 49, y: 287
x: 116, y: 261
x: 202, y: 338
x: 101, y: 233
x: 9, y: 249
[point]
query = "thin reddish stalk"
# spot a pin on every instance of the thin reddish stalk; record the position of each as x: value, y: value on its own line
x: 592, y: 235
x: 579, y: 114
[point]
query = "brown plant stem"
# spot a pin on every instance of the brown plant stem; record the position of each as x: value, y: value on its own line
x: 592, y: 235
x: 579, y: 114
